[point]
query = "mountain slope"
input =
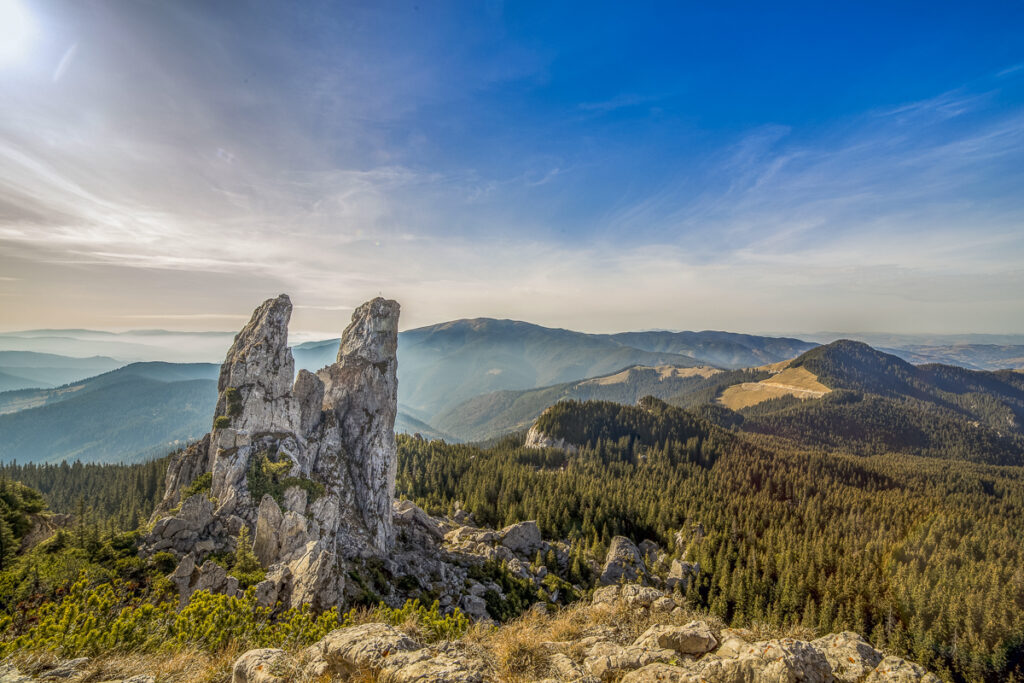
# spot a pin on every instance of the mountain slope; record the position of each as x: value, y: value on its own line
x: 28, y: 369
x: 722, y: 349
x: 496, y: 413
x: 877, y: 403
x: 133, y: 419
x: 13, y: 401
x: 442, y: 365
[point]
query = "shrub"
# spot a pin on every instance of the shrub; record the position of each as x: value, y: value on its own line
x: 201, y: 484
x: 222, y: 422
x: 270, y: 476
x: 234, y: 401
x: 428, y: 622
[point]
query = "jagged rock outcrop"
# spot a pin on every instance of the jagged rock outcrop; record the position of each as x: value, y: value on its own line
x: 306, y: 463
x: 538, y: 439
x: 670, y: 649
x: 308, y: 468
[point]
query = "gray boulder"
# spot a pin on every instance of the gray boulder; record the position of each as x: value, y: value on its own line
x: 623, y: 563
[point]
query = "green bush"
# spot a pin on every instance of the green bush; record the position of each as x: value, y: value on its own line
x: 234, y: 400
x: 201, y: 484
x: 222, y: 422
x: 271, y: 476
x: 109, y: 618
x: 434, y: 625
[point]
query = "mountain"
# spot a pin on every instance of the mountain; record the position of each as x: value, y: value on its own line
x: 138, y: 412
x: 28, y: 369
x: 14, y: 401
x: 849, y: 396
x: 971, y: 356
x: 721, y: 349
x: 490, y: 415
x: 443, y: 365
x: 133, y: 345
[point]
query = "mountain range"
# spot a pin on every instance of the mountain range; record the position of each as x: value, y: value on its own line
x: 477, y: 379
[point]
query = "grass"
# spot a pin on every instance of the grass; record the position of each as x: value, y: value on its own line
x: 516, y: 652
x: 798, y: 382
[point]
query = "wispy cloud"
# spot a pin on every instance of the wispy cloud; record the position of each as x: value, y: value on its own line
x: 208, y: 179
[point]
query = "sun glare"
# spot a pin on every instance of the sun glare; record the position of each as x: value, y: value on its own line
x: 16, y: 29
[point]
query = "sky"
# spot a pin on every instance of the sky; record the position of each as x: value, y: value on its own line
x: 761, y: 167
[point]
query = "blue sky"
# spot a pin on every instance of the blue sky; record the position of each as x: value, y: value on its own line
x: 752, y: 167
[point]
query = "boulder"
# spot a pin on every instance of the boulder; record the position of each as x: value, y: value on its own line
x: 680, y: 573
x: 256, y: 666
x: 522, y: 538
x: 781, y: 660
x: 623, y: 563
x: 694, y: 638
x: 605, y: 661
x: 850, y: 656
x: 347, y: 650
x: 896, y: 670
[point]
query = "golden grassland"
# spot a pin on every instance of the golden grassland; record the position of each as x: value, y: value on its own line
x: 798, y: 382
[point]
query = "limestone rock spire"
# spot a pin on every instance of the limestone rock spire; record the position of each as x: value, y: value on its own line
x: 362, y: 391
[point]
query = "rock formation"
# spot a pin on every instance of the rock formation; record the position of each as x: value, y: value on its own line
x: 306, y: 463
x: 308, y: 467
x: 668, y: 646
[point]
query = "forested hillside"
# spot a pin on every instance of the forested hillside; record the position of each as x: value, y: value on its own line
x: 922, y: 555
x: 881, y: 404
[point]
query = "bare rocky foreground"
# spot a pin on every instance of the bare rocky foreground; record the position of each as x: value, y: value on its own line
x: 304, y: 469
x: 627, y: 633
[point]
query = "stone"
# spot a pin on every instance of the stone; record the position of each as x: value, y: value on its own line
x: 694, y: 638
x: 474, y: 607
x: 347, y: 650
x: 266, y: 544
x: 850, y: 656
x: 773, y: 661
x: 256, y: 666
x: 680, y: 573
x: 623, y: 562
x: 896, y: 670
x: 275, y: 587
x: 663, y: 604
x: 607, y: 660
x: 309, y: 392
x: 538, y: 439
x: 361, y: 390
x: 295, y: 499
x: 65, y: 668
x: 522, y: 538
x: 409, y: 512
x: 662, y: 673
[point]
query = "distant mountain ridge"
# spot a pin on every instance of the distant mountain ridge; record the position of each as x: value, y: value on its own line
x: 26, y: 369
x: 134, y: 413
x: 497, y: 413
x: 878, y: 403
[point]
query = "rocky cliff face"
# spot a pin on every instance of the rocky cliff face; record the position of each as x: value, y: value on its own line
x: 308, y: 466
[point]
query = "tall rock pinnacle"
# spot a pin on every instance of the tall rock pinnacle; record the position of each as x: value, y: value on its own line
x: 307, y: 463
x: 362, y: 391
